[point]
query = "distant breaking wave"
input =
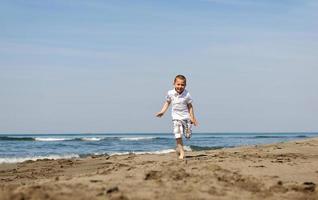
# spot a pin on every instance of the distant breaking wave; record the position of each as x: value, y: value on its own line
x: 146, y: 152
x: 68, y: 139
x: 8, y: 138
x: 257, y: 136
x: 87, y: 139
x: 51, y: 139
x: 91, y: 139
x: 137, y: 138
x: 276, y: 136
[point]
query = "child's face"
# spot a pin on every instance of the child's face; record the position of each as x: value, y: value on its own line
x: 179, y: 85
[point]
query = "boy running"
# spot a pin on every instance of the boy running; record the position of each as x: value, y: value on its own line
x: 182, y: 112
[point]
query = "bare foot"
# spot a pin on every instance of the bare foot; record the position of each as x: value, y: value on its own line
x: 177, y: 152
x: 181, y: 155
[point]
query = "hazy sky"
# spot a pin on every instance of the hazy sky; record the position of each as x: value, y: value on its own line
x: 75, y: 66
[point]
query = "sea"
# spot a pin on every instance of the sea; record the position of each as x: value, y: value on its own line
x: 16, y: 148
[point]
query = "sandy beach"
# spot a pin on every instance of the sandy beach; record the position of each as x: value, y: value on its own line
x: 286, y: 170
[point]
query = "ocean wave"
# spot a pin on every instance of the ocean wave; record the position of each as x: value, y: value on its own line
x: 51, y: 139
x: 137, y: 138
x: 61, y: 139
x: 68, y: 156
x: 158, y: 152
x: 187, y: 148
x: 34, y: 158
x: 11, y: 138
x: 301, y: 136
x: 91, y: 139
x: 279, y: 136
x: 165, y: 151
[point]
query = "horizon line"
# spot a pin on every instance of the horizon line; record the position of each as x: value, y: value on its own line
x: 119, y: 133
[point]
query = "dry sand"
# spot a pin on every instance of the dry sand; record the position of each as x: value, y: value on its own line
x: 278, y: 171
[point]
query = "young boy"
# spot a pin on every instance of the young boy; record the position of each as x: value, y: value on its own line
x: 182, y: 112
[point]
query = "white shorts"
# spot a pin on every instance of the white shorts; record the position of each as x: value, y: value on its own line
x: 182, y: 127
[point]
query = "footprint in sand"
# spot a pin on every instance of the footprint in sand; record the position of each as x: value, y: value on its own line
x: 309, y: 186
x: 152, y: 175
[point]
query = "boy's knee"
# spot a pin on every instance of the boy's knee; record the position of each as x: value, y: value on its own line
x: 177, y: 135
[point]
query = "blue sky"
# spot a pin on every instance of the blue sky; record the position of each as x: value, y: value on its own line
x: 105, y: 66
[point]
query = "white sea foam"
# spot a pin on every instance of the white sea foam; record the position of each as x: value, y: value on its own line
x: 158, y: 152
x: 147, y: 152
x: 91, y: 139
x: 137, y: 138
x: 187, y: 148
x: 51, y: 139
x: 165, y: 151
x: 54, y: 157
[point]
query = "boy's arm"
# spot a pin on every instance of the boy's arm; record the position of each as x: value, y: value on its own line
x: 192, y: 117
x: 164, y: 109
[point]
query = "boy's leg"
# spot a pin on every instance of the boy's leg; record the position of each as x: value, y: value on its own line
x: 180, y: 147
x: 188, y: 129
x: 177, y: 130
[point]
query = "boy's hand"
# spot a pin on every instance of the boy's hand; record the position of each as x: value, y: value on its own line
x: 159, y: 114
x: 194, y: 122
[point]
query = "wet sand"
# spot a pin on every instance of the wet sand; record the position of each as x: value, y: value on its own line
x: 286, y: 170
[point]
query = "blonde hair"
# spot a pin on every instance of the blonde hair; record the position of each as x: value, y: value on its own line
x: 181, y: 77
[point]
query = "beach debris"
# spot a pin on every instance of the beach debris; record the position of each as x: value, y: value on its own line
x: 257, y: 166
x: 112, y: 190
x: 30, y: 161
x: 100, y: 156
x: 305, y: 187
x: 197, y: 157
x: 278, y: 188
x: 151, y: 175
x: 309, y: 186
x: 95, y: 181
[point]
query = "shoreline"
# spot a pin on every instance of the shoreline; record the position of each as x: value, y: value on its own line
x: 285, y: 170
x: 85, y: 140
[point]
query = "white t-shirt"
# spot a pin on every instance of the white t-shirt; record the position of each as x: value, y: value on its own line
x: 179, y: 104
